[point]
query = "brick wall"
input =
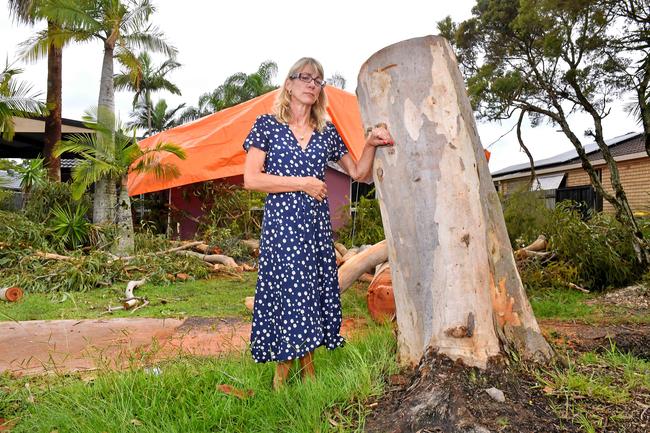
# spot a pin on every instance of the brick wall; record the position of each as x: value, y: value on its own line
x: 635, y: 177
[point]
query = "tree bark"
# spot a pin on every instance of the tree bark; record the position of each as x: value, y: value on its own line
x: 53, y: 118
x: 125, y: 230
x: 105, y: 193
x: 456, y: 284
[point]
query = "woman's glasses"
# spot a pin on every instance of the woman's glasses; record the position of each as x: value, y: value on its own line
x: 306, y: 78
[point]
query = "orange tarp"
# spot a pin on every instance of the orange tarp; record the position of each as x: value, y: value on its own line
x: 213, y: 144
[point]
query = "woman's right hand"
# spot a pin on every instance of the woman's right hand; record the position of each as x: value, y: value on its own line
x: 315, y: 187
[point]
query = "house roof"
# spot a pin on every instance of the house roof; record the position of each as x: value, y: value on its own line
x: 30, y: 134
x: 626, y: 144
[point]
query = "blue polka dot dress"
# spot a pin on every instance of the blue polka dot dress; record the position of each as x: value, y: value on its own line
x: 297, y: 303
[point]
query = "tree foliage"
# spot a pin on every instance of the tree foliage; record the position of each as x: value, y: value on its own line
x: 237, y: 88
x: 550, y: 59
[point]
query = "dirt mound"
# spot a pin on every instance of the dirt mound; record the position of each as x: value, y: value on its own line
x: 631, y: 297
x: 443, y: 396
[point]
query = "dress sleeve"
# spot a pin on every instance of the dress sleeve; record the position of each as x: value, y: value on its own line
x: 258, y: 136
x: 337, y: 146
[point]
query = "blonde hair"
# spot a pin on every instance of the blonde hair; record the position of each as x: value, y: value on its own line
x: 318, y: 117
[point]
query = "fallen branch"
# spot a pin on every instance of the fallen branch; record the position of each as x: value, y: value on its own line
x: 52, y: 256
x: 160, y: 253
x: 577, y: 287
x: 212, y: 258
x: 361, y: 263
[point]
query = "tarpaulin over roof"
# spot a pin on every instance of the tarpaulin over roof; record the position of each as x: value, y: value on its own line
x: 213, y: 144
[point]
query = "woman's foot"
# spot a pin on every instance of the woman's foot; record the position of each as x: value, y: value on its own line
x: 281, y: 374
x: 307, y: 366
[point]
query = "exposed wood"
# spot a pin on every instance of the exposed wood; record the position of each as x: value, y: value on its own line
x: 11, y: 294
x: 249, y: 302
x: 577, y: 287
x: 523, y: 253
x: 253, y: 244
x: 380, y: 297
x: 52, y: 256
x: 349, y: 254
x: 211, y: 258
x: 361, y: 263
x: 131, y: 286
x: 540, y: 244
x: 456, y: 285
x: 340, y: 248
x: 366, y: 278
x: 207, y: 249
x: 182, y: 247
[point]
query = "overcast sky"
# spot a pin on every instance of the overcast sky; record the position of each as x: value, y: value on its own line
x: 216, y: 39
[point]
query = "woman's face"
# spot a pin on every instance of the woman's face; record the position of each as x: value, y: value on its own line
x: 305, y: 92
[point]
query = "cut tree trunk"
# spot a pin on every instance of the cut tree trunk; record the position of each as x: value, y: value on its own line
x: 456, y: 284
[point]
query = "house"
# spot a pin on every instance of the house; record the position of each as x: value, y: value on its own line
x: 213, y: 146
x: 29, y: 138
x: 562, y: 176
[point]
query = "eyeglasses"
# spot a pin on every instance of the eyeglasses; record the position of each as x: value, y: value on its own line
x: 306, y: 78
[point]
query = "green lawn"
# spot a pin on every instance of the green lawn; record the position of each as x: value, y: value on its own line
x: 182, y: 395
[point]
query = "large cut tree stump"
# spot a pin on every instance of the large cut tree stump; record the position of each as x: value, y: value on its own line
x: 456, y: 285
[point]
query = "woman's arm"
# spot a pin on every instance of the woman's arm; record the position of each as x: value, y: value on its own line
x: 361, y: 171
x: 255, y: 178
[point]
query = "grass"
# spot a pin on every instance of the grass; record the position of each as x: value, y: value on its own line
x: 600, y: 389
x: 182, y: 395
x: 569, y: 304
x: 217, y: 297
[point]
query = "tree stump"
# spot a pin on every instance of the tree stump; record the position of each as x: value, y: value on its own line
x: 456, y: 284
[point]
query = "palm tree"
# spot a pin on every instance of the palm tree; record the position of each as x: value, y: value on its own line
x: 15, y: 100
x: 121, y: 26
x: 113, y: 153
x: 145, y: 80
x: 29, y: 11
x: 154, y: 120
x: 237, y: 88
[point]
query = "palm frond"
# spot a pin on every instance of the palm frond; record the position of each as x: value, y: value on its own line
x: 150, y: 39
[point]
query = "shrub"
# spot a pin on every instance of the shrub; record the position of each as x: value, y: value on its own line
x: 227, y: 206
x: 526, y: 217
x: 70, y: 225
x: 600, y: 248
x: 365, y: 227
x: 43, y: 199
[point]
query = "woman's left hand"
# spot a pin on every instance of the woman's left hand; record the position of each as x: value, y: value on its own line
x: 379, y: 136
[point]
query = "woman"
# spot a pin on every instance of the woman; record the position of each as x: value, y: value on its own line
x: 297, y: 304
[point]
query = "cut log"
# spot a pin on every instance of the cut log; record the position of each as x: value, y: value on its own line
x: 52, y: 256
x: 349, y: 254
x: 212, y: 258
x: 456, y: 284
x: 249, y: 302
x: 540, y: 244
x: 366, y: 277
x: 361, y: 263
x: 340, y: 248
x: 523, y: 253
x: 207, y: 249
x: 11, y: 294
x: 380, y: 297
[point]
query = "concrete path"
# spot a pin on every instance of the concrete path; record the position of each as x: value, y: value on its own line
x: 39, y: 346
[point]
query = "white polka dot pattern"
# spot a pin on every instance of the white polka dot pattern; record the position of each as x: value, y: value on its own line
x: 297, y: 303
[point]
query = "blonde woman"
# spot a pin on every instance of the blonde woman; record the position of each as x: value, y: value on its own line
x: 297, y: 304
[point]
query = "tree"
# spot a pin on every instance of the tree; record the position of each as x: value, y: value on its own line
x: 121, y: 26
x: 154, y: 120
x: 630, y: 54
x: 337, y: 80
x: 16, y: 99
x: 549, y: 58
x: 112, y: 153
x: 237, y: 88
x: 29, y: 11
x: 145, y: 80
